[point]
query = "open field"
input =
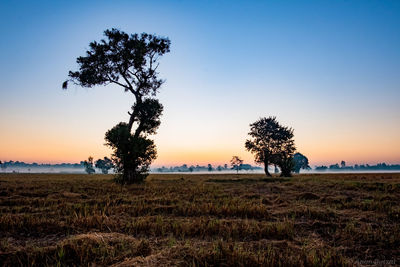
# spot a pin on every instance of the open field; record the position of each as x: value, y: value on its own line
x: 200, y: 220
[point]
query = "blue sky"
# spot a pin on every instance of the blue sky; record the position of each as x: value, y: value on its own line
x: 329, y: 69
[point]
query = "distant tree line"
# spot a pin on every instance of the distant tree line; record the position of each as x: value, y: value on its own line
x: 359, y: 167
x: 105, y: 165
x: 88, y: 165
x: 209, y: 167
x: 19, y: 164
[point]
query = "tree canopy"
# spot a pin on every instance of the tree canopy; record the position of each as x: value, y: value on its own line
x: 88, y: 164
x: 104, y: 165
x: 236, y: 162
x: 300, y: 162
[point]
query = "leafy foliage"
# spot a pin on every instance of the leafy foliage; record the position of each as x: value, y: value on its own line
x: 3, y: 166
x: 104, y: 165
x: 271, y: 143
x: 132, y: 155
x: 236, y: 162
x: 88, y: 164
x: 130, y: 61
x: 130, y: 58
x: 148, y: 116
x: 300, y: 162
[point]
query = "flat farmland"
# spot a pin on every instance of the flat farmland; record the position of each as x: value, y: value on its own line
x: 200, y: 220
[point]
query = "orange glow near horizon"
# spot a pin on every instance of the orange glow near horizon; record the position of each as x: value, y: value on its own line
x: 326, y: 146
x: 53, y: 151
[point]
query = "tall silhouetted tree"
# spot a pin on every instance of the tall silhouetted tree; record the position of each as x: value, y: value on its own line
x: 130, y: 61
x: 300, y: 162
x: 272, y: 143
x: 236, y: 162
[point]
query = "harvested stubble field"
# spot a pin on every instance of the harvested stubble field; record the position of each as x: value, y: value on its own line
x: 200, y: 220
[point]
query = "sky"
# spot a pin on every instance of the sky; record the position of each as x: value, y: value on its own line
x: 328, y: 69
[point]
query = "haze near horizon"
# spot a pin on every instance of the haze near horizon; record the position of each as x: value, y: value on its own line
x: 330, y: 70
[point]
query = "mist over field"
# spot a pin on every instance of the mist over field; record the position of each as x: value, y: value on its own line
x: 81, y: 170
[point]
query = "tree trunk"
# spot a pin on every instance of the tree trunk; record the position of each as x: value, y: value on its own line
x: 266, y: 163
x: 131, y: 176
x: 286, y: 172
x: 266, y: 169
x: 135, y: 112
x: 131, y: 120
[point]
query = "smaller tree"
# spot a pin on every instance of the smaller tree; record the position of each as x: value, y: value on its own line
x: 104, y: 165
x: 209, y: 167
x: 334, y: 167
x: 300, y: 162
x: 4, y: 167
x: 88, y: 164
x: 343, y: 164
x: 236, y: 162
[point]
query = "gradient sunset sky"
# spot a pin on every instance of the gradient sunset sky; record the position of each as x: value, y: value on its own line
x: 329, y: 69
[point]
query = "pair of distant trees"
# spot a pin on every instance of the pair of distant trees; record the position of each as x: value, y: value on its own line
x: 299, y: 162
x: 103, y: 164
x: 273, y: 144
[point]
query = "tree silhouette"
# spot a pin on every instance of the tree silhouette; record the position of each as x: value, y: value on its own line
x: 236, y: 162
x: 272, y: 143
x: 343, y: 164
x: 130, y: 61
x: 300, y: 162
x: 4, y: 166
x: 104, y: 165
x: 209, y: 167
x: 88, y: 164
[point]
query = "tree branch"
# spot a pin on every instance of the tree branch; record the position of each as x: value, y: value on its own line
x: 126, y: 79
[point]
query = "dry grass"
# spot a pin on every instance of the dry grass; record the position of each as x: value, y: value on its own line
x: 199, y: 220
